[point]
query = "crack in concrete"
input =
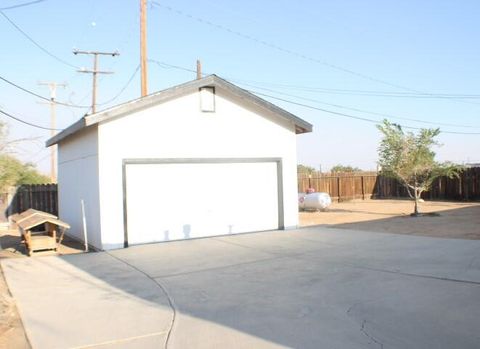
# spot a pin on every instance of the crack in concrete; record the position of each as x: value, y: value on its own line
x: 413, y: 275
x: 170, y: 300
x: 364, y: 331
x: 470, y: 265
x: 397, y: 271
x: 220, y: 267
x: 352, y: 306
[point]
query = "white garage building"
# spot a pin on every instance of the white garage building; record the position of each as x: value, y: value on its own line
x: 200, y: 159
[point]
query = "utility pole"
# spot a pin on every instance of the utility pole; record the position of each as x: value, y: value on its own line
x: 53, y: 115
x: 95, y: 71
x: 143, y: 47
x: 199, y: 69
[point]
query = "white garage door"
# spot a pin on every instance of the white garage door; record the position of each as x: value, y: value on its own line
x: 174, y: 201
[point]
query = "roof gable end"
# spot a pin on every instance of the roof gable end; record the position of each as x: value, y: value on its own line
x: 301, y: 126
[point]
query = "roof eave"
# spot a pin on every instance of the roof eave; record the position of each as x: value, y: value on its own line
x: 77, y: 126
x: 301, y: 126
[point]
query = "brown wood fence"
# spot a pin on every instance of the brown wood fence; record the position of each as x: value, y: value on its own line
x: 366, y: 185
x: 340, y: 186
x: 41, y: 197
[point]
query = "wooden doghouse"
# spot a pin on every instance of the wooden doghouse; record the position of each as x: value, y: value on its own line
x: 39, y: 230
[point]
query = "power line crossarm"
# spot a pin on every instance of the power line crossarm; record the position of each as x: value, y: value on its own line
x: 40, y: 96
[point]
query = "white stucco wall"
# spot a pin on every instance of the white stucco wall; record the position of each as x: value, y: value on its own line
x: 178, y: 129
x: 77, y: 180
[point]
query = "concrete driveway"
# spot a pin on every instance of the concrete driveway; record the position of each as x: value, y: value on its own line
x: 308, y: 288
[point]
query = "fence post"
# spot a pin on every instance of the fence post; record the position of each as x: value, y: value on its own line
x: 11, y: 192
x: 363, y: 187
x: 338, y: 188
x: 352, y: 187
x: 467, y: 185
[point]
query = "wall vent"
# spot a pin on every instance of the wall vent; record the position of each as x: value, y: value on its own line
x: 207, y: 99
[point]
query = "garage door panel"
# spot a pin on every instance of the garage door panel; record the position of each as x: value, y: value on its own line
x: 188, y: 200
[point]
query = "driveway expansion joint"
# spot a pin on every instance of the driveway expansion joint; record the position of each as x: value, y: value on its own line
x: 118, y: 341
x: 165, y: 292
x: 364, y: 331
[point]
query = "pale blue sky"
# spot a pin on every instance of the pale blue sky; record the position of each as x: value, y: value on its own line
x: 390, y: 47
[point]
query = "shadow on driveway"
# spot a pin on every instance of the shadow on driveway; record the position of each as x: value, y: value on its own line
x: 308, y: 288
x: 459, y: 223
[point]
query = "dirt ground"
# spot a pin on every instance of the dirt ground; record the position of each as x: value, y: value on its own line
x: 12, y: 334
x: 456, y: 220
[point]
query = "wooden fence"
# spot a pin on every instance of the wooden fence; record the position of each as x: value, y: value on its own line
x: 366, y: 185
x: 340, y: 186
x: 41, y: 197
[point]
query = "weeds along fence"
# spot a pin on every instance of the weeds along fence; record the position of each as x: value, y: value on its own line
x: 43, y: 197
x: 369, y: 185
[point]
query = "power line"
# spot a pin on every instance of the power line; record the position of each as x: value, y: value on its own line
x: 458, y: 98
x: 123, y: 88
x: 42, y: 158
x: 28, y: 123
x: 351, y: 116
x: 118, y: 94
x: 21, y: 5
x: 367, y: 92
x: 294, y: 53
x: 271, y: 45
x: 29, y: 38
x: 167, y: 65
x: 360, y: 110
x: 40, y: 96
x: 94, y: 71
x: 280, y: 48
x: 317, y: 108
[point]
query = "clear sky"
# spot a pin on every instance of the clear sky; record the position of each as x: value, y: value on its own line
x: 369, y: 59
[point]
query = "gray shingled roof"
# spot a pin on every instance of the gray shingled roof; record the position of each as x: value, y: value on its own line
x: 301, y: 126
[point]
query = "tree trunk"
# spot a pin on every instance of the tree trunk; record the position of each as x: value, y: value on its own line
x: 415, y: 212
x: 417, y: 197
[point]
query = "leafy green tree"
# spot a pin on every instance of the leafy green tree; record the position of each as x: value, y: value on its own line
x: 13, y: 173
x: 305, y: 169
x: 342, y: 168
x: 409, y: 158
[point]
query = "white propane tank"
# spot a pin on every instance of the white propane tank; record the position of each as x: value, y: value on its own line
x: 317, y: 201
